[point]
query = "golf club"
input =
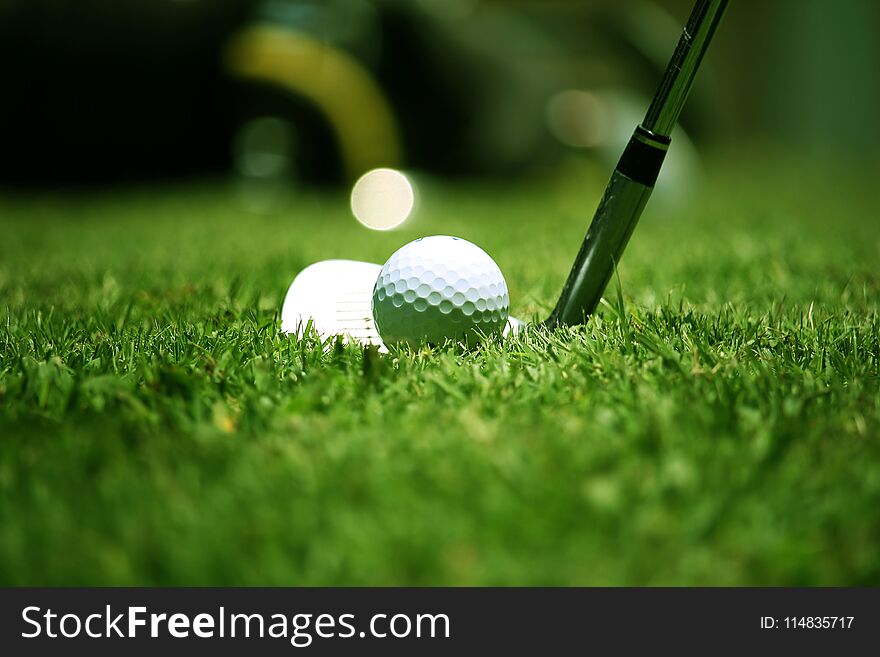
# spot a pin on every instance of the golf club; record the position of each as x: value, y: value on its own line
x: 335, y: 296
x: 636, y: 173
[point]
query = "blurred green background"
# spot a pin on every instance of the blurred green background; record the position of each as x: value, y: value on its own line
x: 97, y: 91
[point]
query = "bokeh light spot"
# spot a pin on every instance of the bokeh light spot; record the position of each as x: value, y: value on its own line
x: 579, y: 118
x: 262, y: 148
x: 382, y: 199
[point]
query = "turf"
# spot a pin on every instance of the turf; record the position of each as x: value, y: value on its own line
x: 716, y: 423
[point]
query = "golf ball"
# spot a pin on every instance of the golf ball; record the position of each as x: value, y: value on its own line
x: 437, y: 289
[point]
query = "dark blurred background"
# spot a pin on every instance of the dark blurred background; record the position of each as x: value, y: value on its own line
x: 320, y: 91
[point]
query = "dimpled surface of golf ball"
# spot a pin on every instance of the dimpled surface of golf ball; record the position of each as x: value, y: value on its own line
x: 437, y: 289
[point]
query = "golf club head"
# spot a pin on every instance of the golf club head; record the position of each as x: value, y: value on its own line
x: 336, y: 296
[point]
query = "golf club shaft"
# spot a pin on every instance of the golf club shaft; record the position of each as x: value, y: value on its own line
x: 636, y: 173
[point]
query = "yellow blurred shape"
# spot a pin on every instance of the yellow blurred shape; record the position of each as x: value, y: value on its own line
x: 382, y: 199
x: 343, y: 89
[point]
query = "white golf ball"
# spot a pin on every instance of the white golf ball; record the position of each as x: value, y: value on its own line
x: 437, y: 289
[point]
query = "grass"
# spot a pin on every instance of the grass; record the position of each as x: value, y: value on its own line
x: 717, y: 423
